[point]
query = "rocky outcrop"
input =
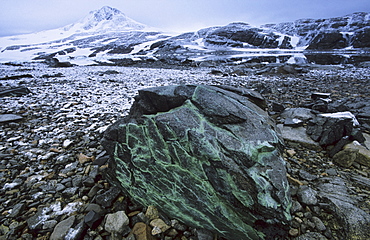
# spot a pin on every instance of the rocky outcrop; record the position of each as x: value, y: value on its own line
x: 54, y: 62
x: 303, y: 27
x: 330, y: 33
x: 242, y: 35
x: 209, y: 154
x: 361, y: 38
x: 328, y: 129
x: 328, y: 40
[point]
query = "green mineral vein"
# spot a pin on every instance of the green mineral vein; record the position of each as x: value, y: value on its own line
x: 166, y: 162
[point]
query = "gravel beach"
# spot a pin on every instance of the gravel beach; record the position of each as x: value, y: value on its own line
x: 51, y: 160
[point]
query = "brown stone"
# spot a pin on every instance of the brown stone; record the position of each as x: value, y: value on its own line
x: 131, y: 214
x: 151, y: 213
x: 363, y: 156
x: 291, y: 152
x: 159, y: 226
x: 346, y: 157
x: 82, y: 158
x: 142, y: 231
x: 55, y: 150
x: 294, y: 181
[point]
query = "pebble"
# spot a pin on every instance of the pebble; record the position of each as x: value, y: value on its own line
x: 50, y: 224
x: 67, y: 143
x: 115, y: 222
x: 307, y: 176
x: 91, y: 218
x: 62, y: 228
x: 159, y: 226
x: 141, y: 231
x: 307, y: 195
x: 82, y: 158
x: 291, y: 152
x: 318, y: 224
x: 294, y: 232
x: 151, y: 213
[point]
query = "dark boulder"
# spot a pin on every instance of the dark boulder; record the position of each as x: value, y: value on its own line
x: 329, y: 129
x: 206, y: 155
x: 53, y: 75
x: 286, y: 43
x: 54, y: 62
x: 122, y: 49
x: 16, y: 77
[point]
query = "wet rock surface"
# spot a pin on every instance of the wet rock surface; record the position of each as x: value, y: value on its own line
x: 52, y: 164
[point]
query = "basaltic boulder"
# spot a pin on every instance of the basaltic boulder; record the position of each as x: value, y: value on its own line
x: 208, y: 156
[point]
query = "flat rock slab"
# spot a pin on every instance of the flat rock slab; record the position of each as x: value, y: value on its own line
x: 298, y: 135
x: 303, y: 114
x: 14, y: 92
x: 9, y: 118
x: 345, y: 207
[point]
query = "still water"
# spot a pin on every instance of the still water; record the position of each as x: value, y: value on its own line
x: 293, y: 57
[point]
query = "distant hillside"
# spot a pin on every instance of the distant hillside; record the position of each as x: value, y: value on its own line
x: 107, y: 36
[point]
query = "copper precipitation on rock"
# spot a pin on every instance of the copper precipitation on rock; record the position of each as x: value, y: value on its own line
x: 207, y: 153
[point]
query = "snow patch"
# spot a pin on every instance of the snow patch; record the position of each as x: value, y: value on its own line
x: 342, y: 115
x: 10, y: 185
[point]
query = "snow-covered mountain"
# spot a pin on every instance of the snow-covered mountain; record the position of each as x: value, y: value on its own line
x: 103, y: 31
x: 105, y: 19
x: 107, y: 36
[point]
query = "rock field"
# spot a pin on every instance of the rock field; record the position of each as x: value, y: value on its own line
x: 52, y: 163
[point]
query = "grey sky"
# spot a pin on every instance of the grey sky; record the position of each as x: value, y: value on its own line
x: 25, y: 16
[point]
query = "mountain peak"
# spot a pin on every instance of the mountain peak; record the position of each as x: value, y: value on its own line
x: 105, y: 19
x: 105, y: 13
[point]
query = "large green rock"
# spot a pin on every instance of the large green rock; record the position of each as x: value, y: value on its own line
x: 206, y: 155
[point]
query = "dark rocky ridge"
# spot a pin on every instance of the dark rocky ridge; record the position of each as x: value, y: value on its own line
x: 331, y: 33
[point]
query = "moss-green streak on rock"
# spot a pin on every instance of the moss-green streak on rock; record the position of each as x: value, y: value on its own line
x: 208, y: 167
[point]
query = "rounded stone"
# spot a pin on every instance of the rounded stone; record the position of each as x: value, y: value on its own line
x: 293, y: 232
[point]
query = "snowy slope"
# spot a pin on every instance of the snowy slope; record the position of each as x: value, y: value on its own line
x: 104, y: 20
x: 107, y: 27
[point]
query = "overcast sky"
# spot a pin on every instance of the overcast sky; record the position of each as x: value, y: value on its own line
x: 25, y: 16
